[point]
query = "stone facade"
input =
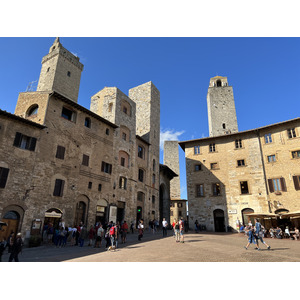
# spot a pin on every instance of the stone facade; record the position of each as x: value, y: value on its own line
x: 231, y: 175
x: 221, y: 107
x: 91, y: 165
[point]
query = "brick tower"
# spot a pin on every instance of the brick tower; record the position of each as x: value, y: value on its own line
x: 221, y: 108
x: 61, y: 72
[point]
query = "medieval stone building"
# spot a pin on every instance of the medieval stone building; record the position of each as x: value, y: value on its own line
x: 61, y: 162
x: 231, y: 174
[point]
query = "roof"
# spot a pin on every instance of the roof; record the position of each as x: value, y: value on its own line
x: 83, y: 109
x: 20, y: 119
x: 169, y: 171
x: 182, y: 144
x: 142, y: 139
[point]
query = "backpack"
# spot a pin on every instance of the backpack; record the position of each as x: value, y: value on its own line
x: 177, y: 226
x: 112, y: 230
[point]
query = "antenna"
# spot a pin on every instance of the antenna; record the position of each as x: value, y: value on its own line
x: 31, y: 86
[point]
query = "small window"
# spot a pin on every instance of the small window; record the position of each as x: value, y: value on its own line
x: 123, y: 160
x: 272, y: 158
x: 123, y: 183
x: 90, y: 185
x: 3, y: 177
x: 87, y: 122
x: 277, y: 185
x: 99, y: 187
x: 212, y: 147
x: 268, y: 138
x: 125, y: 110
x: 141, y: 151
x: 296, y: 154
x: 224, y: 126
x: 153, y: 199
x: 197, y: 150
x: 69, y: 74
x: 291, y: 133
x: 60, y: 152
x: 33, y: 110
x: 219, y: 83
x: 296, y: 179
x: 124, y: 136
x: 85, y: 160
x: 68, y: 114
x: 214, y: 166
x: 107, y: 131
x: 244, y: 187
x: 106, y: 168
x: 197, y: 168
x: 141, y: 175
x: 216, y: 189
x: 48, y: 69
x: 241, y: 163
x: 58, y: 188
x: 24, y: 142
x: 238, y: 144
x: 199, y: 190
x: 153, y: 179
x: 154, y: 164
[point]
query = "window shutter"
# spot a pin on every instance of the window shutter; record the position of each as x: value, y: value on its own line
x: 61, y: 188
x: 56, y: 188
x: 32, y: 144
x: 102, y: 166
x: 3, y: 177
x: 18, y: 139
x: 296, y: 183
x: 271, y: 186
x: 282, y: 183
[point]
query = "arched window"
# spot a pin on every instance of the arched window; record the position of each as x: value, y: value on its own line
x: 32, y: 111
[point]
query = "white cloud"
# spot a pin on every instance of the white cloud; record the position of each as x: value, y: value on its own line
x: 169, y: 135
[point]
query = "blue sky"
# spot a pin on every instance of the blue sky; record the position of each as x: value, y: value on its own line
x: 264, y: 73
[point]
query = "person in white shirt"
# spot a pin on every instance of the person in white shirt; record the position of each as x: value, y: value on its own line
x: 141, y: 229
x: 164, y: 227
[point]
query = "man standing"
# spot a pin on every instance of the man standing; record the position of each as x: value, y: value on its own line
x: 164, y: 227
x: 181, y: 229
x: 16, y: 248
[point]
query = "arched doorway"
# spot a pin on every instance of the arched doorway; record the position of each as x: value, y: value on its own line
x: 219, y: 220
x: 12, y: 219
x: 102, y: 212
x: 80, y: 213
x: 246, y: 218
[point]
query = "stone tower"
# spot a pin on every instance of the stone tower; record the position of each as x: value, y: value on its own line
x: 171, y: 159
x: 61, y: 72
x: 221, y: 108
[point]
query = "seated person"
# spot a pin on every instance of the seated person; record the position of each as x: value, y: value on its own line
x: 287, y: 232
x: 242, y: 228
x: 296, y: 235
x: 278, y: 233
x: 272, y: 232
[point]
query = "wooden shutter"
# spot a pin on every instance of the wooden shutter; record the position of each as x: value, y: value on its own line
x: 282, y: 183
x: 3, y: 177
x: 32, y: 144
x: 296, y: 183
x: 271, y: 186
x: 59, y: 187
x: 102, y: 166
x: 85, y: 160
x: 18, y: 139
x: 60, y: 152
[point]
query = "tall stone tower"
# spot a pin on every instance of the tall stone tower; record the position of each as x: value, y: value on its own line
x: 61, y: 72
x: 171, y: 159
x: 221, y: 108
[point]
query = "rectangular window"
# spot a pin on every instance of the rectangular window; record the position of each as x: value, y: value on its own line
x: 69, y: 73
x: 60, y: 152
x: 68, y: 114
x: 297, y: 182
x: 241, y: 163
x: 244, y: 187
x: 199, y: 190
x: 123, y: 161
x: 24, y: 142
x: 99, y: 187
x: 214, y: 166
x: 124, y: 136
x: 153, y: 199
x: 58, y: 188
x: 291, y: 133
x: 106, y: 168
x: 197, y: 168
x: 141, y: 175
x: 277, y: 185
x: 122, y: 183
x: 296, y: 154
x: 212, y: 147
x: 216, y: 189
x: 268, y: 138
x: 153, y: 179
x: 140, y: 152
x: 3, y: 177
x: 271, y: 158
x: 85, y: 160
x: 238, y: 144
x: 90, y: 185
x: 197, y: 150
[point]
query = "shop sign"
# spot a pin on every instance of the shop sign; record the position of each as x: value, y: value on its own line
x: 232, y: 211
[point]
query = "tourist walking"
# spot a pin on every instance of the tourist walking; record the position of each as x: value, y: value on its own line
x: 141, y: 229
x: 107, y: 237
x: 164, y: 227
x: 251, y: 238
x: 82, y: 235
x: 100, y: 234
x: 112, y: 235
x: 181, y: 229
x: 91, y: 235
x: 177, y: 231
x: 196, y: 226
x: 16, y: 248
x: 131, y: 226
x: 259, y: 233
x: 124, y: 232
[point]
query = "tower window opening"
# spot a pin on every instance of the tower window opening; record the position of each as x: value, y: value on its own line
x: 224, y: 126
x: 69, y: 73
x: 219, y: 83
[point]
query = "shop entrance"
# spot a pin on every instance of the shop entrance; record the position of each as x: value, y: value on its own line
x: 101, y: 212
x: 120, y: 211
x: 53, y: 216
x: 219, y: 220
x: 12, y: 219
x: 246, y: 218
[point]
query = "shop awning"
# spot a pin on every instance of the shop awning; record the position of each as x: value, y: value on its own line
x: 263, y: 215
x: 291, y: 214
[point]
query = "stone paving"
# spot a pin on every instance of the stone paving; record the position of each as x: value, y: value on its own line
x: 201, y: 247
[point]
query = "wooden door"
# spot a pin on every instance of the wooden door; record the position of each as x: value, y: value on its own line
x: 12, y: 225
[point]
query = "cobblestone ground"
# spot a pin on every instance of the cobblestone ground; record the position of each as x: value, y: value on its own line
x: 201, y: 247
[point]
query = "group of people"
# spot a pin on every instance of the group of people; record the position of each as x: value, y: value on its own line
x: 14, y: 245
x: 178, y: 227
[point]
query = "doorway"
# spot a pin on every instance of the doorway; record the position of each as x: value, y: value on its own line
x: 219, y: 220
x: 12, y: 218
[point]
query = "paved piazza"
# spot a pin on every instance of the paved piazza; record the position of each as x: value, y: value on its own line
x: 201, y: 247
